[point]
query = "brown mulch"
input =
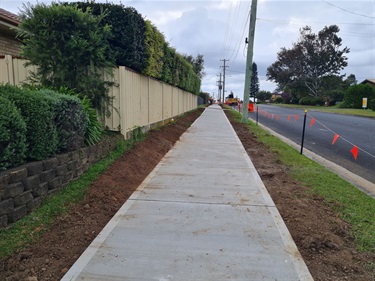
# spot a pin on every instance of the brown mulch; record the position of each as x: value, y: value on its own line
x: 323, y: 239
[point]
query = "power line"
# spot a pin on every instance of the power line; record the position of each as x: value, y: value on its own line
x: 322, y: 22
x: 350, y: 12
x: 289, y: 23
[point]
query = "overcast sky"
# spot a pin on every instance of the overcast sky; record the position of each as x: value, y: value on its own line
x: 217, y: 29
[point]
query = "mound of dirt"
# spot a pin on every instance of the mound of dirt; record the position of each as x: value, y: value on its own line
x: 323, y: 239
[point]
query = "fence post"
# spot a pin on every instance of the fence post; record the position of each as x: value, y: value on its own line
x: 303, y: 131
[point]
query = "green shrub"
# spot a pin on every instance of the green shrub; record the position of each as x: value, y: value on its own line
x: 69, y: 47
x: 354, y: 95
x: 311, y: 101
x: 70, y: 119
x: 12, y: 135
x: 136, y: 43
x: 279, y: 100
x: 372, y: 104
x: 41, y: 133
x: 94, y: 129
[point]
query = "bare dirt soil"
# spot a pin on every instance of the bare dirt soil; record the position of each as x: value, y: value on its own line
x: 323, y: 239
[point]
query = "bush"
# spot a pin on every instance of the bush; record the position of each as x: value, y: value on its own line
x: 94, y: 129
x: 372, y: 104
x: 354, y: 95
x: 70, y: 119
x: 69, y: 47
x: 41, y: 133
x: 12, y: 135
x: 311, y: 101
x: 279, y: 100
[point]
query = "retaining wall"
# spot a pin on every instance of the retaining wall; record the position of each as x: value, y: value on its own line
x: 24, y: 188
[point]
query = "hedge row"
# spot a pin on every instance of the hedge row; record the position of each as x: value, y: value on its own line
x: 136, y: 43
x: 311, y: 101
x: 354, y: 95
x: 36, y: 124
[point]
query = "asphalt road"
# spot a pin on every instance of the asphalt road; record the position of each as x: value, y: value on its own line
x: 352, y: 131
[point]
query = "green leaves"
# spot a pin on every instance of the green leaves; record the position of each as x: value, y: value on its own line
x: 12, y: 135
x: 312, y: 58
x: 69, y: 46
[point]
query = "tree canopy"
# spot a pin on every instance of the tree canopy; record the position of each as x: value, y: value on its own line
x: 310, y: 60
x: 69, y: 47
x: 254, y: 85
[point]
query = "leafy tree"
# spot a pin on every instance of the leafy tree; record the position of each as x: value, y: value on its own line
x: 127, y: 42
x: 263, y: 95
x: 197, y: 63
x: 69, y: 48
x: 312, y: 58
x: 254, y: 85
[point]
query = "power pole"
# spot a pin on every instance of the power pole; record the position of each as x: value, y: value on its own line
x: 224, y: 67
x: 249, y: 60
x: 220, y: 86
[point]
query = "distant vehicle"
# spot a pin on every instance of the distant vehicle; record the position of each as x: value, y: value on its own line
x: 231, y: 100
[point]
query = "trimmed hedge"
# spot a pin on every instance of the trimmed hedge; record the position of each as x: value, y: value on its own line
x: 13, y: 144
x: 41, y: 132
x: 70, y: 119
x: 53, y: 123
x: 354, y: 95
x: 138, y: 44
x: 372, y: 104
x: 311, y: 101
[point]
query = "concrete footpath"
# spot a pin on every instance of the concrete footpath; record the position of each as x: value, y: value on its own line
x: 202, y: 214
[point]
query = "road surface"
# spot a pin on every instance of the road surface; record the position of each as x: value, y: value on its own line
x: 352, y: 130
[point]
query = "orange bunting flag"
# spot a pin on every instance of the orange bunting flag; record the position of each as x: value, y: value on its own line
x: 335, y: 138
x: 269, y: 115
x: 277, y: 117
x: 312, y: 122
x: 296, y: 117
x: 288, y: 118
x: 354, y: 151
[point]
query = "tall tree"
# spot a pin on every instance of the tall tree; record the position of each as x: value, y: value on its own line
x: 254, y: 85
x: 197, y: 63
x: 312, y: 58
x: 69, y: 47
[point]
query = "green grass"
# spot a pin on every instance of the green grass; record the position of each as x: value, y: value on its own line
x: 333, y: 109
x: 353, y: 205
x: 34, y: 224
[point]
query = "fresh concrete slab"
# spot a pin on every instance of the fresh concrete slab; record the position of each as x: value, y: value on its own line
x: 202, y: 214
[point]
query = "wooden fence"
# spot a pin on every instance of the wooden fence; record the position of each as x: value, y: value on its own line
x: 138, y: 101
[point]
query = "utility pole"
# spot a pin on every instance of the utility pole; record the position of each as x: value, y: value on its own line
x: 220, y: 86
x: 249, y: 60
x: 224, y: 67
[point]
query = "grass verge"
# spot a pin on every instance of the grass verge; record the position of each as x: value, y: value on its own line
x: 34, y: 224
x: 334, y: 109
x: 353, y: 205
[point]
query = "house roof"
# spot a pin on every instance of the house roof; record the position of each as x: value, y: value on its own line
x: 8, y: 23
x: 368, y: 81
x: 9, y: 17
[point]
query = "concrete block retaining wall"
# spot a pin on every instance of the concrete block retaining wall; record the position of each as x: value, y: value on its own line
x: 24, y: 188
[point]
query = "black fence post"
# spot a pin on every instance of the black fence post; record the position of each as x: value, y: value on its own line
x: 303, y: 131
